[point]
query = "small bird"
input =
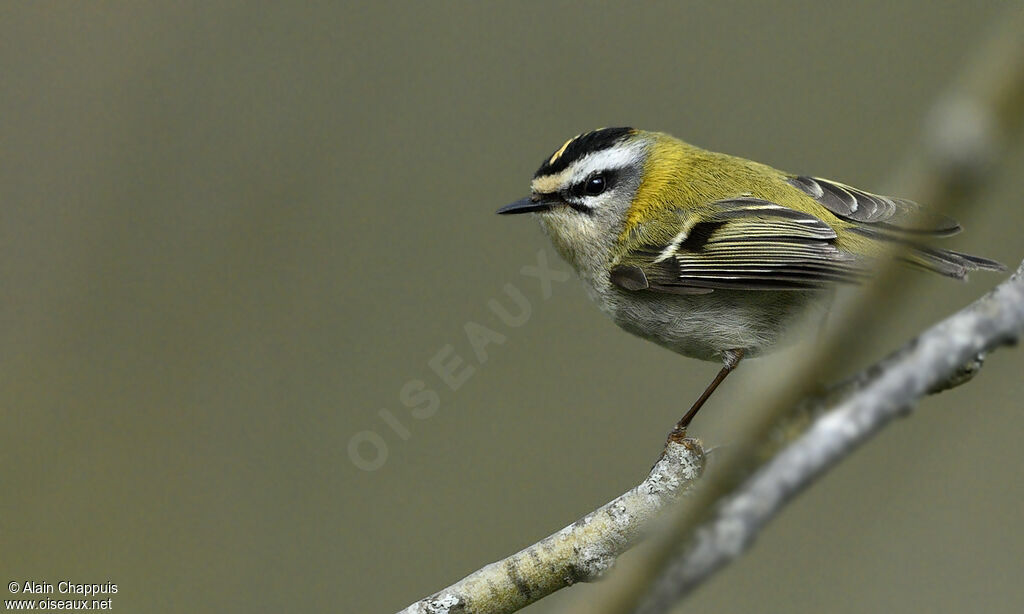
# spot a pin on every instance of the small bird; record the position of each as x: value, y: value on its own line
x: 711, y: 255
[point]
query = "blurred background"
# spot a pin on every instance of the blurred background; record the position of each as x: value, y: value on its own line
x: 234, y: 238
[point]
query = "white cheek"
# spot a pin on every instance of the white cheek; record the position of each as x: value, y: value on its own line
x: 602, y: 202
x: 608, y: 209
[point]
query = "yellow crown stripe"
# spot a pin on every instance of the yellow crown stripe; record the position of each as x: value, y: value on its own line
x: 561, y: 150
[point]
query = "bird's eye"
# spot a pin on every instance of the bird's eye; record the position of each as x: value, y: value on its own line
x: 595, y: 185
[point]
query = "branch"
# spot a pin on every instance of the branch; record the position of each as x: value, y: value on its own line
x: 950, y: 172
x: 581, y: 552
x: 927, y: 363
x: 945, y: 356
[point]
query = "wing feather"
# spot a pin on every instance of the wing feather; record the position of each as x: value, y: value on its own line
x: 748, y: 244
x: 897, y: 216
x: 754, y: 244
x: 896, y: 220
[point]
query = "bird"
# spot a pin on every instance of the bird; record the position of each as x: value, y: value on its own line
x: 711, y: 255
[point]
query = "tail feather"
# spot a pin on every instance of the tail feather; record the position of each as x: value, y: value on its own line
x: 942, y: 261
x: 979, y: 263
x: 948, y: 262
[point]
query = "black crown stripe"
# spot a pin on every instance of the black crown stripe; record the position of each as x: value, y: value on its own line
x: 581, y: 146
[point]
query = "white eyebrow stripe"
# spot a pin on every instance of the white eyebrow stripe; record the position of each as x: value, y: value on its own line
x: 612, y: 158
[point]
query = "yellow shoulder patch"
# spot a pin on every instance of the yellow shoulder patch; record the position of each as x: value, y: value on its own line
x: 664, y: 184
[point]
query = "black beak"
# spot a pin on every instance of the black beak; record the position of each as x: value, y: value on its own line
x: 525, y: 205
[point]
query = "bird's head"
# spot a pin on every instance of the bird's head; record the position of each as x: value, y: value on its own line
x: 583, y: 192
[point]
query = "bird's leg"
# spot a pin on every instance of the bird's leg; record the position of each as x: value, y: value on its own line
x: 730, y: 358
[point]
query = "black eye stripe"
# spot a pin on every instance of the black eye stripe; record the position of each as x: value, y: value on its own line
x: 588, y: 186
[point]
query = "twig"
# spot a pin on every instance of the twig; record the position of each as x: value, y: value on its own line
x: 586, y: 549
x: 992, y: 95
x: 927, y: 363
x: 581, y: 552
x: 944, y: 357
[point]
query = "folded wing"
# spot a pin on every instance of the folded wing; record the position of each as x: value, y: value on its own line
x: 748, y: 244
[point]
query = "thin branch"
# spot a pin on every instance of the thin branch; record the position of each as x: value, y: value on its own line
x: 581, y: 552
x: 989, y: 98
x: 929, y: 362
x: 943, y: 357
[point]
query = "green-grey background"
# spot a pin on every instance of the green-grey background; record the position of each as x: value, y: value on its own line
x: 231, y: 233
